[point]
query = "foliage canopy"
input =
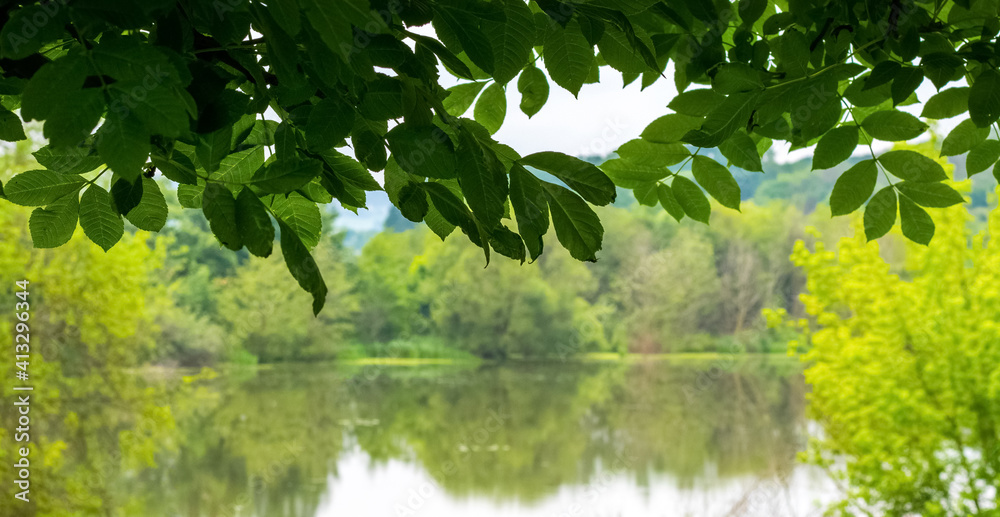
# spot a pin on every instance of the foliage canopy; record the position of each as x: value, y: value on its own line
x: 181, y: 88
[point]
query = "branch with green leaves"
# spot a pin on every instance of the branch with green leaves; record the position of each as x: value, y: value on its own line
x: 355, y: 87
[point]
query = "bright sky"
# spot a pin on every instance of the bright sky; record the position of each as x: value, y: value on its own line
x: 606, y: 116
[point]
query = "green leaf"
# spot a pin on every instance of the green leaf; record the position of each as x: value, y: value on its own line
x: 219, y: 207
x: 437, y: 223
x: 54, y: 81
x: 947, y: 103
x: 161, y: 110
x: 123, y: 144
x: 423, y: 150
x: 189, y: 196
x: 68, y: 160
x: 963, y: 138
x: 932, y: 195
x: 132, y: 59
x: 618, y: 51
x: 534, y: 88
x: 941, y: 67
x: 22, y: 33
x: 669, y: 202
x: 98, y: 218
x: 302, y: 266
x: 213, y: 147
x: 646, y: 154
x: 254, y: 224
x: 906, y: 82
x: 530, y: 208
x: 41, y: 187
x: 696, y: 103
x: 916, y: 222
x: 330, y: 122
x: 883, y: 73
x: 741, y: 151
x: 285, y: 143
x: 982, y: 157
x: 984, y: 98
x: 577, y: 227
x: 350, y: 171
x: 332, y: 20
x: 836, y: 146
x: 646, y: 195
x: 671, y: 128
x: 569, y: 57
x: 912, y: 166
x: 11, y: 129
x: 732, y: 114
x: 54, y: 225
x: 893, y: 126
x: 853, y: 188
x: 735, y: 78
x: 238, y: 168
x: 511, y: 40
x: 717, y: 181
x: 453, y: 210
x: 792, y: 52
x: 413, y: 202
x: 384, y: 100
x: 692, y: 199
x: 448, y: 58
x: 880, y: 215
x: 491, y: 109
x: 483, y: 180
x: 463, y: 25
x: 178, y: 168
x: 299, y: 214
x: 369, y: 143
x: 461, y: 97
x: 583, y: 177
x: 507, y: 243
x: 751, y: 10
x: 125, y: 194
x: 151, y: 213
x: 284, y: 176
x: 77, y: 113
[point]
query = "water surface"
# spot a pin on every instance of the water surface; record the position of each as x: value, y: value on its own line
x: 660, y: 438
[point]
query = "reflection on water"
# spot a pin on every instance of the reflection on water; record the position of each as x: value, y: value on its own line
x: 653, y: 438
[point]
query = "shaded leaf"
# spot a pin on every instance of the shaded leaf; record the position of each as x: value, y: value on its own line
x: 583, y: 177
x: 854, y: 187
x: 534, y: 89
x: 692, y: 199
x: 54, y: 225
x: 98, y: 218
x: 835, y: 147
x: 577, y: 227
x: 219, y: 207
x: 530, y: 208
x: 717, y: 181
x: 912, y: 166
x: 893, y: 125
x: 933, y: 195
x: 916, y: 222
x: 254, y: 224
x: 41, y: 187
x: 302, y: 266
x: 151, y: 212
x: 880, y: 215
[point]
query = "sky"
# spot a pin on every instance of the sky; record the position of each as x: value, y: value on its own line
x: 604, y: 116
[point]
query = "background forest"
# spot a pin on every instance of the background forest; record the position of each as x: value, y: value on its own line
x: 400, y: 291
